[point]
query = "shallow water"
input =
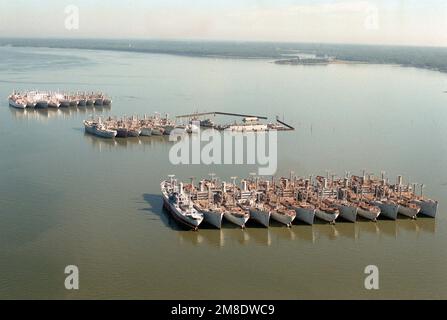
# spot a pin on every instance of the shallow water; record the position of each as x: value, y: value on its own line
x: 71, y: 198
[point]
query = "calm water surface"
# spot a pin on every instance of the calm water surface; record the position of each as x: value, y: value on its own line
x: 69, y: 198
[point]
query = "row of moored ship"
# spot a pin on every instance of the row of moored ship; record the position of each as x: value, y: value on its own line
x: 156, y: 125
x: 288, y: 199
x: 44, y: 99
x: 134, y: 126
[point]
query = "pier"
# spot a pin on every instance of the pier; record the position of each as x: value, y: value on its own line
x: 214, y: 113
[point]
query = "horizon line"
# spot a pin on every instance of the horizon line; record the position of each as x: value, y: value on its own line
x: 221, y: 40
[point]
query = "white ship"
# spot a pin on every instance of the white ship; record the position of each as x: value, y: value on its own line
x: 16, y: 101
x: 179, y: 205
x: 99, y: 129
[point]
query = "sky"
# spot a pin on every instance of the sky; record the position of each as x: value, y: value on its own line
x: 394, y: 22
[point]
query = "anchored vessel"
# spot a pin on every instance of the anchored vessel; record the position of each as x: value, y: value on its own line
x: 98, y: 129
x: 179, y: 205
x: 17, y: 101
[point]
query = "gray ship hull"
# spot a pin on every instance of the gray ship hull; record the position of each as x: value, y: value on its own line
x: 283, y: 218
x: 213, y: 218
x: 429, y: 208
x: 348, y: 212
x: 389, y: 210
x: 306, y: 215
x: 261, y: 216
x: 325, y: 216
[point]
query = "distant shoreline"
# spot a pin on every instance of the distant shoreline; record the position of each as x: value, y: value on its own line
x: 428, y: 58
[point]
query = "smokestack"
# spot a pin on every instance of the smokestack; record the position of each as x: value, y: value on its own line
x: 181, y: 187
x: 399, y: 180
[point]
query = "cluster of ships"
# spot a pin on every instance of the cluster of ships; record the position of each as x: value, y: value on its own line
x: 44, y: 99
x: 293, y: 198
x: 156, y: 125
x: 132, y: 126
